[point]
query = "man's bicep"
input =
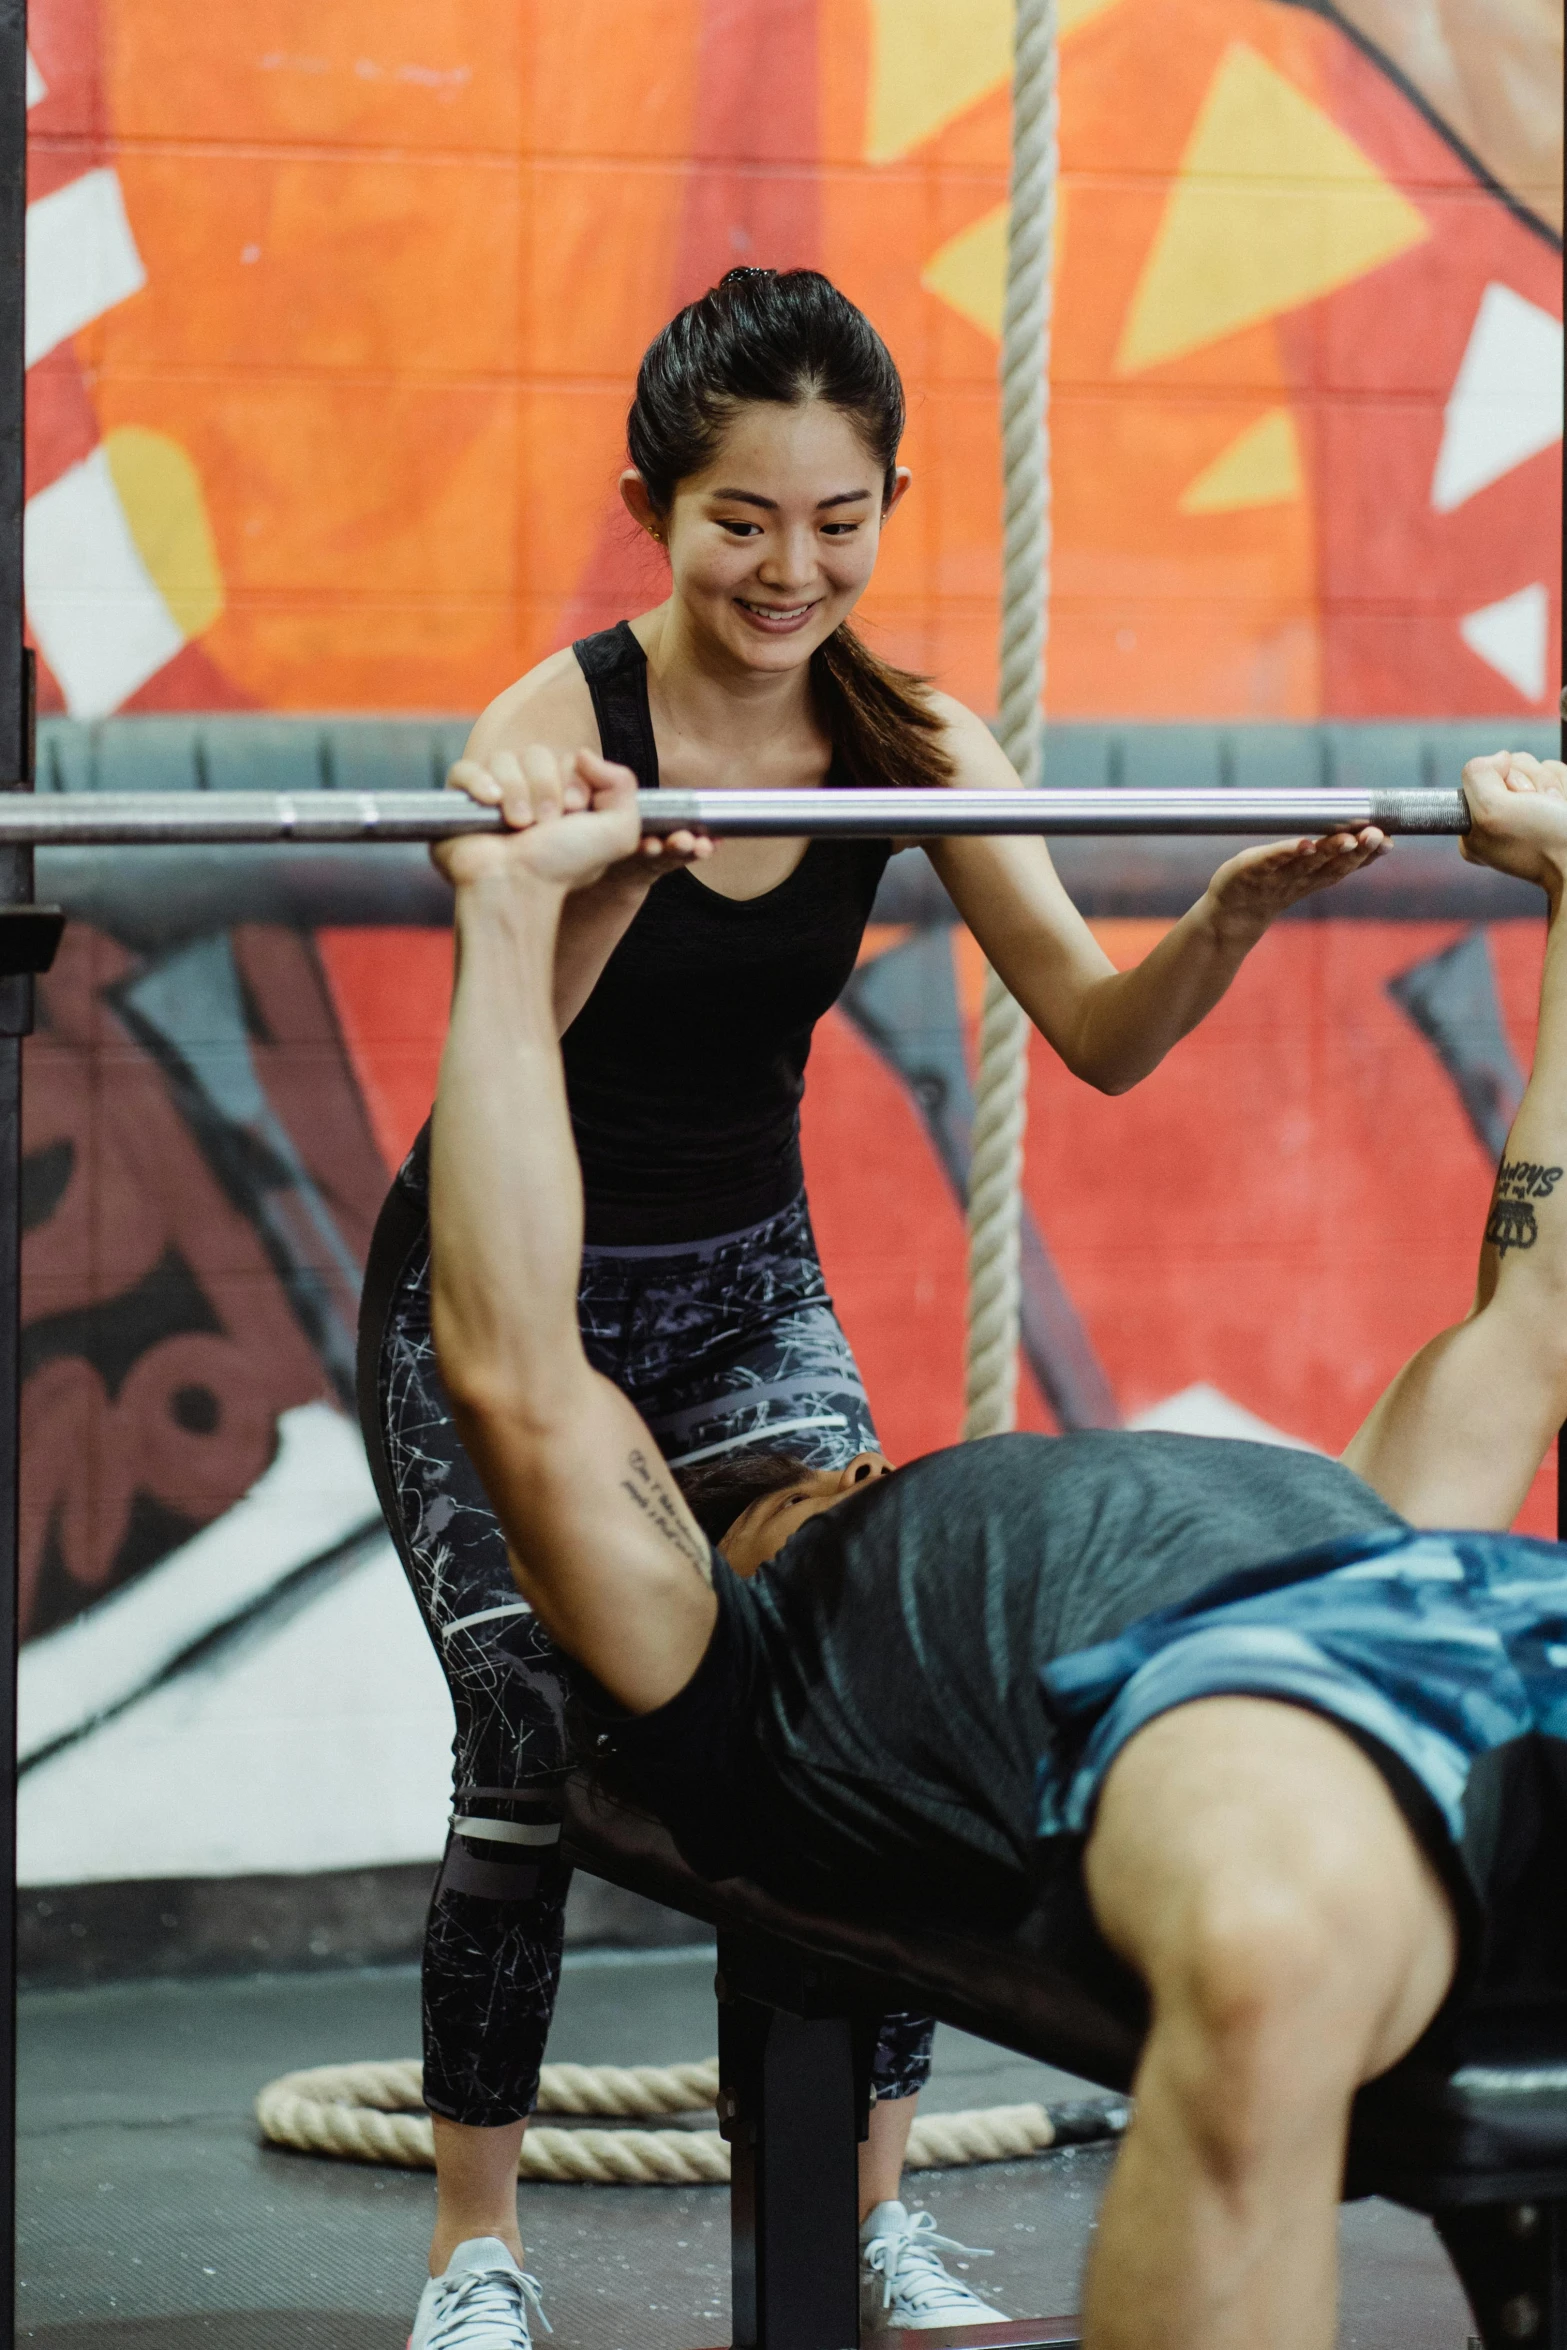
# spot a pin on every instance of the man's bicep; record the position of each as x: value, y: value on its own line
x: 602, y: 1544
x: 592, y: 1486
x: 645, y: 1515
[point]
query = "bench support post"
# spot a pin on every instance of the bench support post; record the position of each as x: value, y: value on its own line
x: 1511, y: 2260
x: 791, y: 2089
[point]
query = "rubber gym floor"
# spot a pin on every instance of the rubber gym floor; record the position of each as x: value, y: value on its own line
x: 152, y: 2219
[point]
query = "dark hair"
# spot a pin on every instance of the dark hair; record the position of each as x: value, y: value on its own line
x: 789, y: 336
x: 716, y: 1492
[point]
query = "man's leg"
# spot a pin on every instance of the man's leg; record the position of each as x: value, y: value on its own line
x: 1251, y: 1864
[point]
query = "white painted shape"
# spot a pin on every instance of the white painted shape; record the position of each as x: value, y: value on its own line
x: 1207, y: 1411
x: 100, y: 622
x: 316, y: 1491
x: 1506, y: 400
x: 321, y: 1743
x: 1511, y: 636
x: 37, y: 87
x: 81, y: 259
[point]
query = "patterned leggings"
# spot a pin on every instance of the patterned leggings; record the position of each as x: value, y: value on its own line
x: 721, y: 1344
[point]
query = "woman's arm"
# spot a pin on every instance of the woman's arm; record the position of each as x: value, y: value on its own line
x: 1457, y: 1438
x: 1112, y: 1027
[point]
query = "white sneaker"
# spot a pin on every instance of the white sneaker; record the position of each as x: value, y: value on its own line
x: 902, y: 2280
x: 482, y: 2302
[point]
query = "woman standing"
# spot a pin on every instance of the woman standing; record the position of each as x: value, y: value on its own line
x: 764, y: 439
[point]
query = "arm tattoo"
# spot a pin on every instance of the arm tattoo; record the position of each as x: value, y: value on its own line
x: 659, y: 1506
x: 1519, y: 1183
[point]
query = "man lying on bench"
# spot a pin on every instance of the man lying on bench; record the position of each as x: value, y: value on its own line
x: 1281, y: 1732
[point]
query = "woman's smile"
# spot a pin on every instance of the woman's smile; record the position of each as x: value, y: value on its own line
x: 775, y: 619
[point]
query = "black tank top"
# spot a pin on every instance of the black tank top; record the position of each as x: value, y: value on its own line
x: 685, y: 1067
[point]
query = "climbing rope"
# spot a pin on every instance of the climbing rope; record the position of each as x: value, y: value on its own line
x: 996, y: 1167
x: 375, y: 2113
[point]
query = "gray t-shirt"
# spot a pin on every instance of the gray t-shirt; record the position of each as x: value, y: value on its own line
x: 870, y: 1708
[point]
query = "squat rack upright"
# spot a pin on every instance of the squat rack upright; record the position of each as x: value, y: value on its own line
x: 16, y: 1010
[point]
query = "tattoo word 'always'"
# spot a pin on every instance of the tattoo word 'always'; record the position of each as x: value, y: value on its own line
x: 1519, y: 1183
x: 659, y: 1506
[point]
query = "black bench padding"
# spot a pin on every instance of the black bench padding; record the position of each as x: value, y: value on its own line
x: 1008, y: 1986
x: 1477, y: 2119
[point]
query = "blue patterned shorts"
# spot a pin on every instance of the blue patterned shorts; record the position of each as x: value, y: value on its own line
x: 1445, y: 1652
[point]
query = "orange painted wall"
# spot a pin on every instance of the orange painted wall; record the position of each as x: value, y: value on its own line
x: 400, y: 263
x: 397, y: 266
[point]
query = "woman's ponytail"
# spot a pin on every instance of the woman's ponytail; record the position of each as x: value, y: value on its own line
x: 881, y: 720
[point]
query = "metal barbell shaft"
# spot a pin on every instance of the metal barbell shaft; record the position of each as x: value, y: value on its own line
x: 164, y: 819
x: 928, y: 814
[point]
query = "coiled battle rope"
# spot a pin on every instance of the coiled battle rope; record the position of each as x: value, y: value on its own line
x: 375, y: 2113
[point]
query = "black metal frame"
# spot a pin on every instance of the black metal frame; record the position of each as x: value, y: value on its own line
x: 1511, y: 2260
x: 793, y: 2096
x: 795, y: 2043
x: 16, y: 1017
x: 795, y: 2039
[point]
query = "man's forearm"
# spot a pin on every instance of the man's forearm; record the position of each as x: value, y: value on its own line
x: 1458, y: 1435
x: 1526, y: 1230
x: 506, y: 1191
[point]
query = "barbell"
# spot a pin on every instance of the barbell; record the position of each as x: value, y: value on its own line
x: 163, y: 819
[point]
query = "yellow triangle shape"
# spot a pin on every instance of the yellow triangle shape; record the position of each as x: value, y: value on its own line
x: 930, y: 60
x: 1273, y: 207
x: 969, y: 272
x: 160, y: 492
x: 1260, y: 467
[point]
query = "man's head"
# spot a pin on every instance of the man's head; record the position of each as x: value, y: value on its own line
x: 749, y: 1506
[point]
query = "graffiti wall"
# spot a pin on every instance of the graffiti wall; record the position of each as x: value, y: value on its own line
x: 333, y: 313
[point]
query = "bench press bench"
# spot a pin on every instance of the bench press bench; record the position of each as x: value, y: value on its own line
x: 1471, y: 2132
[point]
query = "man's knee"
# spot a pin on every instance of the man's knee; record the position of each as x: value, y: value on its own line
x: 1251, y: 1949
x: 1251, y: 1864
x: 1263, y: 2011
x: 1262, y: 2005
